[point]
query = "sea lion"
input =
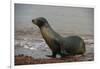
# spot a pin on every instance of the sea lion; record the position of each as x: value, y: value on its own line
x: 72, y: 45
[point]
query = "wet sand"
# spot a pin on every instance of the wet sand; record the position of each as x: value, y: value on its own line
x: 30, y: 48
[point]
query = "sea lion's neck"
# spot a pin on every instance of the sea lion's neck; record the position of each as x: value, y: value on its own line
x: 48, y: 32
x: 46, y: 28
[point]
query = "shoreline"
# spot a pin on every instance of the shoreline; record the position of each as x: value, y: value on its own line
x: 32, y: 45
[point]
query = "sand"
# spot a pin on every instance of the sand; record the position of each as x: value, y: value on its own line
x: 30, y: 48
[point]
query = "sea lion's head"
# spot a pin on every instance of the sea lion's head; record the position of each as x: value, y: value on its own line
x: 40, y: 21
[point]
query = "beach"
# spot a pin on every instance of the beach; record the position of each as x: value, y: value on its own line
x: 30, y: 48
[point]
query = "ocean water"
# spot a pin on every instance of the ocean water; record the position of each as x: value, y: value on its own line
x: 61, y: 18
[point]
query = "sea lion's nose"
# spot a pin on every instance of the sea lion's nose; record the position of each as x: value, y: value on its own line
x: 33, y: 20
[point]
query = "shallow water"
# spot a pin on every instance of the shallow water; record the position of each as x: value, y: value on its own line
x: 37, y: 48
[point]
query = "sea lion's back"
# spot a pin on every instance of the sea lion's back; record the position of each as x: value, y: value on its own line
x: 74, y: 44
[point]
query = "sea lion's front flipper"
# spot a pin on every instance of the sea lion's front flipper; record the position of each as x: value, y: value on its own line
x: 64, y: 53
x: 53, y: 55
